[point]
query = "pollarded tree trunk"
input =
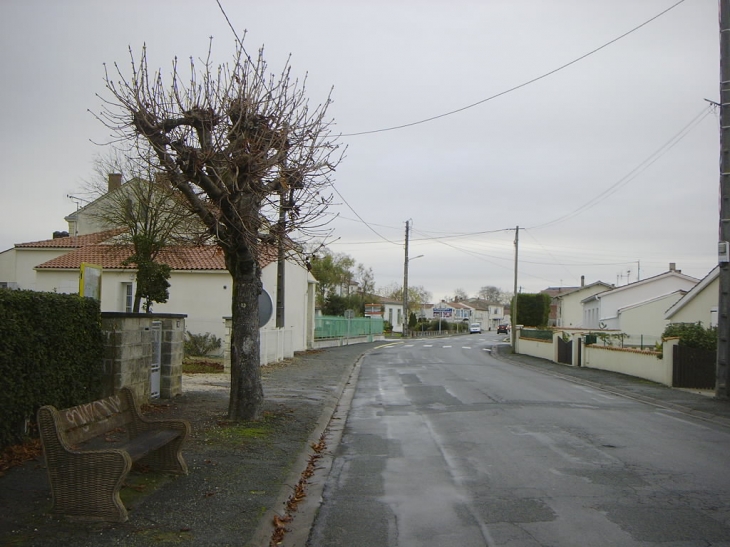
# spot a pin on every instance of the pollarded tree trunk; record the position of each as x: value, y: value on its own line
x: 247, y: 394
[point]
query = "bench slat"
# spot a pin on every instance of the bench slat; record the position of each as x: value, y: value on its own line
x: 149, y: 442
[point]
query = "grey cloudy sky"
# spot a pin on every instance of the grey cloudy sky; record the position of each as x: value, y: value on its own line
x: 610, y: 165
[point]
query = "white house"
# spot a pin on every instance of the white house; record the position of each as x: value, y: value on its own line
x: 200, y: 285
x: 489, y: 314
x: 647, y: 318
x: 602, y: 310
x: 568, y: 305
x: 392, y: 312
x: 699, y: 304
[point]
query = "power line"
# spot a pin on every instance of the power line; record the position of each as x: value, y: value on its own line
x: 361, y: 219
x: 636, y: 171
x: 520, y: 86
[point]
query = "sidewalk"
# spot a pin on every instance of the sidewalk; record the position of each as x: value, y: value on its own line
x: 696, y: 404
x: 240, y: 477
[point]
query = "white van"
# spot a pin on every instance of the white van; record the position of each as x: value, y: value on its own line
x: 475, y: 328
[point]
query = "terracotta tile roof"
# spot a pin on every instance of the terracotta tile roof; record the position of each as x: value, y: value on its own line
x: 74, y: 242
x: 111, y: 257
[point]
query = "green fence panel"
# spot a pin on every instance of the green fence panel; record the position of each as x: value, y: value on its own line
x: 327, y: 326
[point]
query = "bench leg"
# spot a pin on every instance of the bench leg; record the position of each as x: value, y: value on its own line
x: 87, y: 486
x: 168, y: 458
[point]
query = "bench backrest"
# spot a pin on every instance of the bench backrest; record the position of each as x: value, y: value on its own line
x: 83, y: 422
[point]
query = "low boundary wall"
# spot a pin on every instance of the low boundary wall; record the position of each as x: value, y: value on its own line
x: 649, y: 365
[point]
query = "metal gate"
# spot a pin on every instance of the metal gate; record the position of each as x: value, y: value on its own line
x: 156, y: 365
x: 694, y: 368
x: 565, y: 351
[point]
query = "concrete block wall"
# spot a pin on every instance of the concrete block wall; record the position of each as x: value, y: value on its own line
x: 128, y: 353
x: 173, y: 339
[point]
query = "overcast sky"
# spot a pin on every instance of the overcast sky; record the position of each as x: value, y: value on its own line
x: 609, y: 166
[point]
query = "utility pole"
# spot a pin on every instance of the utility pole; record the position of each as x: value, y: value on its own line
x: 723, y: 316
x: 405, y: 287
x: 514, y: 298
x: 281, y: 261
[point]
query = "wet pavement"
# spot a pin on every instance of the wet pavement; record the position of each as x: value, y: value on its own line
x: 235, y: 489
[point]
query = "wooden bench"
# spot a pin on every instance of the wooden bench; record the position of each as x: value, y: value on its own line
x: 86, y: 470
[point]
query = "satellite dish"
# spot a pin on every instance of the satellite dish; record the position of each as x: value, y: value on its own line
x: 266, y: 307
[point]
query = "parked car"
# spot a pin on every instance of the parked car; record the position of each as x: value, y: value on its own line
x: 503, y: 329
x: 475, y: 328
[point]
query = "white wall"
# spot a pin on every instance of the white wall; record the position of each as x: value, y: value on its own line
x: 647, y: 318
x: 612, y: 301
x: 298, y: 303
x: 632, y: 362
x: 18, y: 265
x: 701, y: 307
x: 7, y: 265
x: 537, y: 348
x: 571, y: 309
x: 204, y: 296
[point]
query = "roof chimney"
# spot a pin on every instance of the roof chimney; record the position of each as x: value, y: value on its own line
x: 582, y: 281
x: 672, y: 266
x: 115, y: 181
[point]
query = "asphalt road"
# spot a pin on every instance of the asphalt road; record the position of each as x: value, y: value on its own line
x: 445, y: 445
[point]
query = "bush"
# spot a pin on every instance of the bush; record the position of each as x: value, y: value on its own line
x: 693, y: 335
x: 200, y: 345
x: 51, y: 350
x: 533, y: 310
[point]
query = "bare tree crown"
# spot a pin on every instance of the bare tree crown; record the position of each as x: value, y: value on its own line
x: 240, y: 146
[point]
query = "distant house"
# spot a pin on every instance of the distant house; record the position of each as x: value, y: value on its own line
x: 452, y: 312
x: 489, y: 314
x: 647, y: 318
x: 604, y: 309
x: 392, y: 312
x: 554, y: 293
x: 566, y: 309
x: 699, y: 304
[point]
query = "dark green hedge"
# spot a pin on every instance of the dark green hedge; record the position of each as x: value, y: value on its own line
x: 533, y: 310
x: 537, y: 334
x: 51, y: 350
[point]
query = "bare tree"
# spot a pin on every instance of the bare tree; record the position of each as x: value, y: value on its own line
x: 460, y: 294
x: 491, y: 293
x: 241, y: 147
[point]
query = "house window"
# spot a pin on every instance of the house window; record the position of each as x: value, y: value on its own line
x: 127, y: 297
x: 390, y: 315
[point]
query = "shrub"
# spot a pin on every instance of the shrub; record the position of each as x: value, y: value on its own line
x: 51, y: 350
x: 693, y: 335
x: 533, y: 309
x: 199, y: 345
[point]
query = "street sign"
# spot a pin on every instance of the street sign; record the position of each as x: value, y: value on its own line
x: 442, y: 312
